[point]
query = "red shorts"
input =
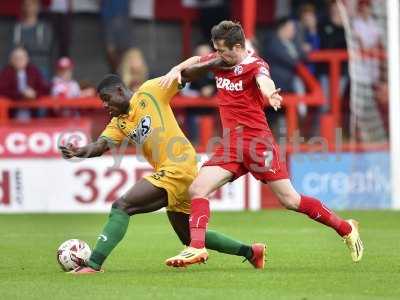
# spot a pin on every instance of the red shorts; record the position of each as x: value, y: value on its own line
x: 247, y: 150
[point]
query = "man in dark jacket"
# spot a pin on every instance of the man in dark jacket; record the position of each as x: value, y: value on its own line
x: 283, y: 54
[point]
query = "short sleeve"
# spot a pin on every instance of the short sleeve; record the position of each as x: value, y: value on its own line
x: 113, y: 133
x: 262, y: 69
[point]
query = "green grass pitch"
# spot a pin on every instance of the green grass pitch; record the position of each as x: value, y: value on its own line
x: 305, y: 259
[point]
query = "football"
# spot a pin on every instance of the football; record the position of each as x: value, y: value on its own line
x: 72, y: 254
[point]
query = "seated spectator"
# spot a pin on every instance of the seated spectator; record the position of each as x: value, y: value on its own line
x: 35, y: 36
x: 22, y: 80
x: 63, y: 84
x: 133, y: 69
x: 88, y: 89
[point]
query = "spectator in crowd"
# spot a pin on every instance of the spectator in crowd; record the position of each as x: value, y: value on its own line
x: 308, y: 31
x: 283, y: 54
x: 117, y: 29
x: 60, y: 13
x: 319, y: 5
x: 204, y: 87
x: 332, y: 31
x: 369, y: 67
x: 35, y: 36
x: 133, y: 69
x: 332, y: 36
x: 63, y: 84
x: 211, y: 13
x: 365, y: 27
x: 309, y: 41
x: 369, y: 37
x: 22, y: 80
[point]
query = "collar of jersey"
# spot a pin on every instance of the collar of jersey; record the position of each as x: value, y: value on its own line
x: 249, y: 54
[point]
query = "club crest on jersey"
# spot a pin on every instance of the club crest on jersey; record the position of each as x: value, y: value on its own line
x: 142, y: 104
x: 121, y: 124
x: 238, y: 70
x: 226, y: 84
x: 142, y: 131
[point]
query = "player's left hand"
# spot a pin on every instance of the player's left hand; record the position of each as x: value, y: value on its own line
x: 168, y: 79
x: 275, y: 100
x: 68, y: 151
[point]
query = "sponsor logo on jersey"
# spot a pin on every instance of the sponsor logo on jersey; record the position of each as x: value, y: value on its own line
x: 158, y: 175
x: 238, y: 70
x: 142, y: 104
x: 142, y: 131
x: 121, y: 124
x: 226, y: 84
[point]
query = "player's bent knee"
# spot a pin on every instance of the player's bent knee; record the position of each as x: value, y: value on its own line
x: 197, y: 191
x: 290, y: 201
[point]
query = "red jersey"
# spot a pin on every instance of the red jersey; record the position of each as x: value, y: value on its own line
x: 240, y: 100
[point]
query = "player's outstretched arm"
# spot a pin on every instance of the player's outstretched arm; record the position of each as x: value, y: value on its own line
x: 175, y: 72
x: 200, y: 69
x: 269, y: 91
x: 94, y: 149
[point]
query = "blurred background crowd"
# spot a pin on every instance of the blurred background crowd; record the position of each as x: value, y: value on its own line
x: 61, y: 48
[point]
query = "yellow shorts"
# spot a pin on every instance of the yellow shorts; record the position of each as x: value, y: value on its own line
x: 176, y: 182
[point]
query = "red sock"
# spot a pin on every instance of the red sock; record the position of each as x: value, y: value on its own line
x: 200, y: 213
x: 318, y: 212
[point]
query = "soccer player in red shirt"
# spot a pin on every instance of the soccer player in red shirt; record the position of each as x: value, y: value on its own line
x: 243, y: 82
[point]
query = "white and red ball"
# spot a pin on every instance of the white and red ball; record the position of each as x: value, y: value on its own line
x: 72, y: 254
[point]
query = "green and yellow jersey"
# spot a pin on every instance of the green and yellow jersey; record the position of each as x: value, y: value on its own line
x: 151, y: 125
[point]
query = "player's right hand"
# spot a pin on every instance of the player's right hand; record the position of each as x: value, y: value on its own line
x: 168, y: 79
x: 275, y: 100
x: 68, y: 151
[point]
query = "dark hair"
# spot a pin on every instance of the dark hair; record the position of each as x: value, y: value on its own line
x: 306, y: 8
x: 108, y: 82
x: 281, y: 22
x: 230, y: 32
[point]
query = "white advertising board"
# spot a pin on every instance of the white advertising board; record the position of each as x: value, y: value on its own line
x: 91, y: 185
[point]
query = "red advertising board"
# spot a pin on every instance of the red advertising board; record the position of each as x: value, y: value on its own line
x: 41, y: 139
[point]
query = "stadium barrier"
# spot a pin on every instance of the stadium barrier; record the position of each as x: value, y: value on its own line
x: 54, y: 185
x: 313, y: 97
x: 31, y: 167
